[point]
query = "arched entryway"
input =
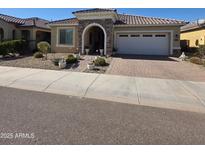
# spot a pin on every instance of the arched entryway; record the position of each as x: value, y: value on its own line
x: 94, y: 37
x: 1, y: 34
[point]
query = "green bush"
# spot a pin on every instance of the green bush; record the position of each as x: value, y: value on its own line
x: 3, y: 49
x: 100, y: 61
x: 13, y: 46
x: 20, y: 46
x: 44, y: 47
x: 196, y: 60
x: 38, y: 55
x: 56, y: 61
x: 71, y: 59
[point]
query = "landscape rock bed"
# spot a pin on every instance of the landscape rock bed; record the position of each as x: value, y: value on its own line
x: 28, y: 61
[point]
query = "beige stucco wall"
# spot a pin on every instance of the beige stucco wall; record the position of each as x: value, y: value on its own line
x: 8, y: 30
x: 175, y: 29
x: 54, y: 41
x: 192, y: 36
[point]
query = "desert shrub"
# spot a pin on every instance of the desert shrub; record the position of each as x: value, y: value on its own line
x: 196, y: 60
x: 13, y: 46
x: 20, y: 46
x: 38, y: 55
x: 201, y: 50
x: 3, y: 49
x: 197, y: 51
x: 100, y: 61
x: 44, y: 47
x: 71, y: 59
x: 56, y: 61
x: 177, y: 52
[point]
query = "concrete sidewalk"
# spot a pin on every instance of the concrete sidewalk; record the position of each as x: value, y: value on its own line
x: 173, y: 94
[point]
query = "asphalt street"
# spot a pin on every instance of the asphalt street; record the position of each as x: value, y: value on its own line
x: 45, y: 118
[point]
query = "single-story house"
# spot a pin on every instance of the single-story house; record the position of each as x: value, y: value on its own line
x: 194, y: 33
x: 32, y: 30
x: 108, y: 30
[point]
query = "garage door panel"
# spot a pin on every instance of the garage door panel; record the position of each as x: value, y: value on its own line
x: 158, y: 44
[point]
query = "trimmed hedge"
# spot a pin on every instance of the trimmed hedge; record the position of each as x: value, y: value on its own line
x: 13, y: 46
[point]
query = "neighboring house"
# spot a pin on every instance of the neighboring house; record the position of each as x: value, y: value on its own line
x: 107, y: 29
x: 32, y: 30
x: 194, y: 33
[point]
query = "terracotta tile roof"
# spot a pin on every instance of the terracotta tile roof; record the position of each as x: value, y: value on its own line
x: 142, y: 20
x: 36, y: 22
x: 29, y: 22
x: 11, y: 19
x: 65, y: 21
x: 193, y: 26
x: 95, y: 10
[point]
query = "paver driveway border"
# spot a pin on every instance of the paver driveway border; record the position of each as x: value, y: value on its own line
x: 164, y: 93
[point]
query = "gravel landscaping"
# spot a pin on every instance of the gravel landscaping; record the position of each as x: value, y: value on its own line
x: 29, y: 61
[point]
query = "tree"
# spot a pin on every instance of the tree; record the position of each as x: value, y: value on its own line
x: 44, y: 47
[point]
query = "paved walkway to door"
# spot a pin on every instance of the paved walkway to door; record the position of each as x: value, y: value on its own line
x: 156, y: 67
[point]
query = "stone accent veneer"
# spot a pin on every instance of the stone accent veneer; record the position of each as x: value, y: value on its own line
x: 108, y: 26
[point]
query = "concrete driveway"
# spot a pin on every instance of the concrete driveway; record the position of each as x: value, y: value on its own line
x: 156, y: 67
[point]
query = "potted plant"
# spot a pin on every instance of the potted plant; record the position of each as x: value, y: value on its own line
x: 90, y: 66
x: 101, y: 52
x: 87, y: 50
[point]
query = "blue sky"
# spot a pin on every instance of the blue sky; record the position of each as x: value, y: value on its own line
x: 62, y: 13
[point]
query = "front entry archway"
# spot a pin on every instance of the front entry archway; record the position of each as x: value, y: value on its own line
x: 94, y: 37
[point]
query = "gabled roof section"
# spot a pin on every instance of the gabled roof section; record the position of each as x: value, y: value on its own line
x: 193, y: 25
x: 28, y: 22
x: 69, y: 21
x: 124, y: 19
x: 96, y: 10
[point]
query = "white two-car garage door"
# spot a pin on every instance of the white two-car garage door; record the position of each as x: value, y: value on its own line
x: 143, y: 43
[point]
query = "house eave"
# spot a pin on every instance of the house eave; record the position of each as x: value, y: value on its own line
x: 96, y: 15
x: 192, y: 29
x: 55, y: 25
x: 148, y: 25
x: 25, y: 27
